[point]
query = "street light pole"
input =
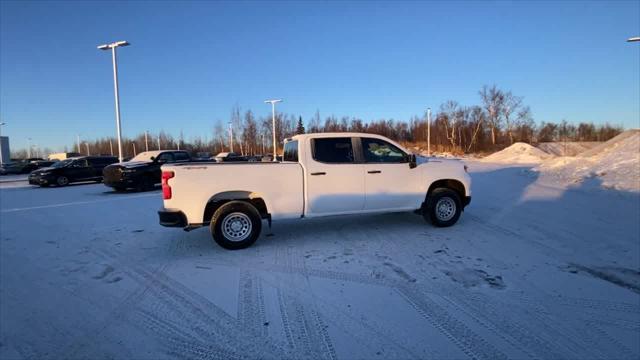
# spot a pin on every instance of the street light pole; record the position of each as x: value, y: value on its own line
x: 29, y: 148
x: 78, y: 142
x: 146, y: 141
x: 158, y: 142
x: 113, y: 47
x: 428, y: 131
x: 1, y: 158
x: 111, y: 146
x: 273, y: 124
x: 230, y: 136
x: 87, y: 145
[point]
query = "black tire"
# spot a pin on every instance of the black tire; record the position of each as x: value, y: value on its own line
x: 238, y: 217
x: 62, y: 181
x: 443, y: 207
x: 145, y: 184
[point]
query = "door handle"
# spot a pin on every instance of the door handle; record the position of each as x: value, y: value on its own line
x: 318, y: 173
x: 374, y: 171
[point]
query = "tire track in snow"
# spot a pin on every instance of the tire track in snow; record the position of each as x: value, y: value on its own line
x: 362, y: 330
x: 603, y: 334
x: 179, y: 343
x: 116, y: 316
x: 204, y: 319
x: 251, y: 310
x: 304, y: 329
x: 523, y: 338
x: 452, y: 328
x: 526, y: 337
x: 456, y: 331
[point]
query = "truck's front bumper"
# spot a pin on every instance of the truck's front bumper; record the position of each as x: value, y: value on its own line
x: 172, y: 218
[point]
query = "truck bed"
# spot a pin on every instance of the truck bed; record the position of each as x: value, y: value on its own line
x: 195, y: 184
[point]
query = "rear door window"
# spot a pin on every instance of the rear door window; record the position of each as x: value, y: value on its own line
x: 333, y: 150
x: 181, y: 156
x: 165, y: 158
x: 82, y: 163
x: 291, y: 151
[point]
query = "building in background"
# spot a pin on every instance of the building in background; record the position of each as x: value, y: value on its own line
x: 6, y: 150
x: 62, y: 156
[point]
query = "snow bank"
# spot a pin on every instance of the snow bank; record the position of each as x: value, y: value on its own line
x: 570, y: 148
x: 520, y: 153
x: 612, y: 164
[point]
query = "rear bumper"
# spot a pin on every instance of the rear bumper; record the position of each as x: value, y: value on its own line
x: 172, y: 218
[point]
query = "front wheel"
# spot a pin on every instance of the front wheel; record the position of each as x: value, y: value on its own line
x: 236, y: 225
x: 443, y: 207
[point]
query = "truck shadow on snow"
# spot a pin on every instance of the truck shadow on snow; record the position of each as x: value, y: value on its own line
x: 592, y: 229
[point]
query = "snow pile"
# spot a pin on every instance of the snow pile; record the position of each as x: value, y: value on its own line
x: 519, y: 153
x: 569, y: 148
x: 613, y: 164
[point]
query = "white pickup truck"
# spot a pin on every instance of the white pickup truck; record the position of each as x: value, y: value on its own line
x: 321, y: 174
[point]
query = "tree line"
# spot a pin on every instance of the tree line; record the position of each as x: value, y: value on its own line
x: 499, y: 119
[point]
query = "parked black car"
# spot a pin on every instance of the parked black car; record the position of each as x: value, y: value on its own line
x: 62, y: 173
x: 143, y: 171
x: 23, y: 166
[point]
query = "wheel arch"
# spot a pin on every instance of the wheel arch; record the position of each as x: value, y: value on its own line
x: 455, y: 185
x: 219, y: 199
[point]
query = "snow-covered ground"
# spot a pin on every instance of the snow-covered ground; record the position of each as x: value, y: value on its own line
x: 531, y: 270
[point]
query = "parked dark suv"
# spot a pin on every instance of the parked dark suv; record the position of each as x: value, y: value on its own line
x: 143, y: 171
x: 62, y: 173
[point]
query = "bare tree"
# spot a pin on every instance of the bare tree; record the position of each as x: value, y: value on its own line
x: 450, y: 115
x: 315, y: 124
x: 493, y: 100
x: 250, y: 133
x: 510, y: 104
x: 476, y: 117
x: 219, y: 134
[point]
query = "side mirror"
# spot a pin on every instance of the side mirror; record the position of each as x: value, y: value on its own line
x: 413, y: 162
x: 153, y: 158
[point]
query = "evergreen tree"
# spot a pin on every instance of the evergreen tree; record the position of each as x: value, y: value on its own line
x: 300, y: 127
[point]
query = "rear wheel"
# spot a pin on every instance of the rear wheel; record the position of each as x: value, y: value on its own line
x: 62, y: 181
x: 236, y: 225
x: 443, y: 207
x: 145, y: 184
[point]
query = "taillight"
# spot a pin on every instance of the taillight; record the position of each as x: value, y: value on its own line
x: 166, y: 189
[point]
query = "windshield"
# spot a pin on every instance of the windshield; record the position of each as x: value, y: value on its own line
x: 144, y: 156
x: 62, y: 163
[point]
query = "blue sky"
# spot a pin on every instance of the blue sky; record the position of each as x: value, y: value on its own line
x: 190, y: 62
